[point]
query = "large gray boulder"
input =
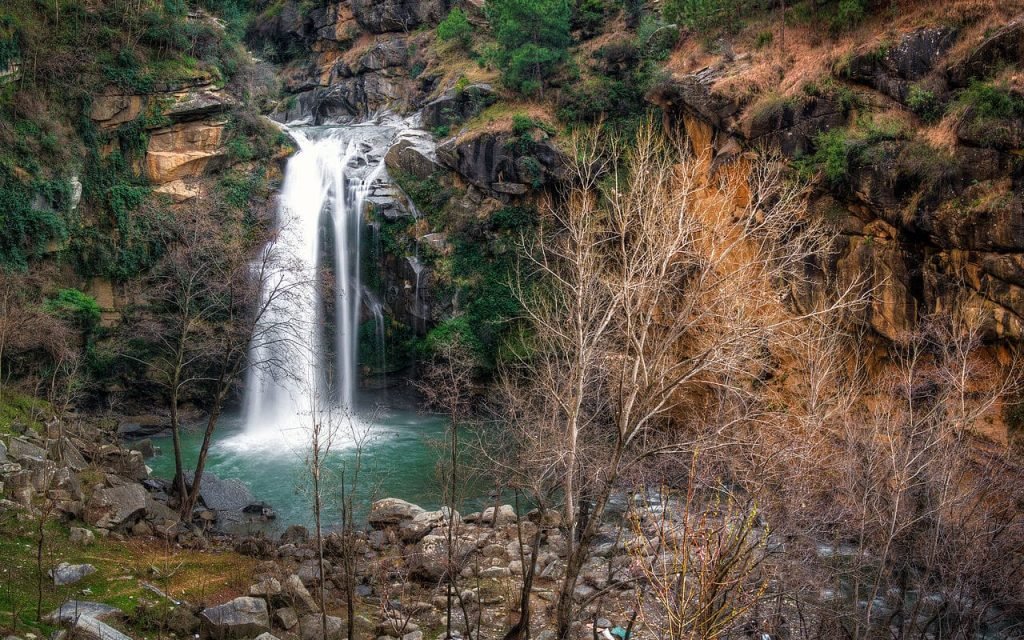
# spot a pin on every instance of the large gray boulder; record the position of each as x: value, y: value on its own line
x: 391, y: 512
x: 86, y: 620
x: 116, y: 507
x: 381, y: 16
x: 65, y: 573
x: 311, y: 627
x: 23, y: 450
x: 240, y: 618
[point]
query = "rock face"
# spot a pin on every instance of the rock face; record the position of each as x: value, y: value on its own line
x: 381, y: 16
x: 923, y: 229
x: 185, y: 150
x: 241, y: 618
x: 501, y: 162
x: 457, y: 106
x: 116, y: 507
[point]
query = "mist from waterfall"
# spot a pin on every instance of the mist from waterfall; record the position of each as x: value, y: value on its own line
x: 320, y: 217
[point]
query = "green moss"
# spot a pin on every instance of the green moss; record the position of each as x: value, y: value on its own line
x: 21, y: 409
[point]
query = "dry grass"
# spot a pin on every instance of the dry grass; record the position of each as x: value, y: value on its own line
x: 498, y: 117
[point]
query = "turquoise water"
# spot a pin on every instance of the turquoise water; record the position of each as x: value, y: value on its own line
x: 399, y: 459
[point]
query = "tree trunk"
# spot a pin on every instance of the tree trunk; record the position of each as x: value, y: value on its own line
x: 211, y: 424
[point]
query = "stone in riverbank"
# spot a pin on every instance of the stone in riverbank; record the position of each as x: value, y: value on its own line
x: 116, y: 507
x: 392, y: 511
x: 240, y: 618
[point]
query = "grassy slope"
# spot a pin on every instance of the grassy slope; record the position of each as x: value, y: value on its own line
x: 195, y: 576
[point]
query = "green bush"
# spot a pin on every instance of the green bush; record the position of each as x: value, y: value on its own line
x: 456, y: 28
x: 76, y: 307
x: 533, y: 39
x: 704, y: 15
x: 987, y: 100
x: 831, y: 157
x: 924, y: 103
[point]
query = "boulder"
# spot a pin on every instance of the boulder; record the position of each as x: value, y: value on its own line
x: 243, y: 617
x: 81, y: 537
x: 268, y: 588
x: 295, y: 595
x: 86, y: 620
x: 113, y: 107
x: 295, y: 534
x: 392, y: 511
x: 223, y: 495
x: 286, y: 618
x: 382, y: 16
x: 311, y: 627
x: 22, y: 451
x: 457, y: 106
x: 1004, y: 47
x: 505, y: 514
x: 116, y: 507
x: 65, y: 573
x: 893, y: 70
x: 412, y: 156
x: 422, y: 524
x: 3, y: 452
x: 500, y: 162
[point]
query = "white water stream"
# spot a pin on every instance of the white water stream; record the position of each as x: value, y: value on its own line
x: 321, y: 220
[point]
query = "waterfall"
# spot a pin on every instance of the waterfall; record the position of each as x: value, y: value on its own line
x: 321, y: 208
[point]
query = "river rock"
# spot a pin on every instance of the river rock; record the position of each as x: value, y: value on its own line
x: 268, y: 588
x: 421, y: 524
x: 295, y: 534
x: 505, y: 515
x: 240, y: 618
x: 80, y: 536
x: 116, y: 507
x: 223, y: 495
x: 392, y: 511
x: 85, y: 620
x: 23, y: 451
x: 311, y: 627
x: 65, y: 573
x: 297, y: 596
x: 286, y: 618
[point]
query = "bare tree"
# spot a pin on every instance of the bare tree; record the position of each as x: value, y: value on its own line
x: 447, y: 388
x: 658, y: 291
x: 214, y: 296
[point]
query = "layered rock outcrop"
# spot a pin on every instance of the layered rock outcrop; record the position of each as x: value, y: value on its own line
x: 925, y: 228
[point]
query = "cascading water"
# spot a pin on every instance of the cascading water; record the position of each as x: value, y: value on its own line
x: 320, y: 214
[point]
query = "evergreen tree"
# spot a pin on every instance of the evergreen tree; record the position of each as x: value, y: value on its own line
x: 533, y: 36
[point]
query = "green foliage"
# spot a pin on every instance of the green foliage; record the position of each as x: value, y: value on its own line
x: 456, y: 28
x: 76, y: 307
x: 454, y: 330
x: 848, y: 14
x: 27, y: 228
x: 764, y: 38
x: 428, y: 194
x: 19, y: 409
x: 590, y: 16
x: 703, y: 15
x: 990, y: 112
x: 832, y: 156
x: 924, y: 103
x: 514, y: 218
x: 239, y: 187
x: 656, y: 38
x: 988, y: 100
x: 533, y: 39
x: 442, y: 131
